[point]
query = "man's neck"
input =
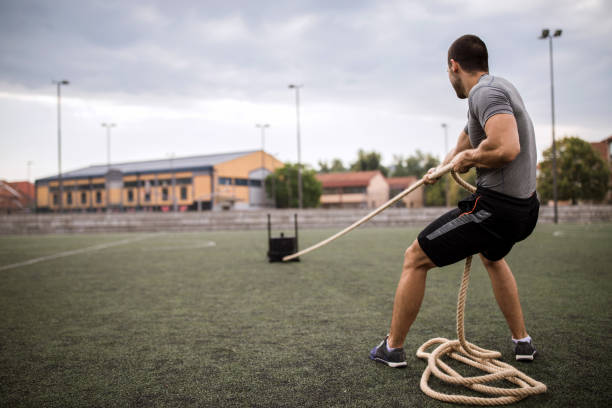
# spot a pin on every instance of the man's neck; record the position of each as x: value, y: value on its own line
x: 471, y: 79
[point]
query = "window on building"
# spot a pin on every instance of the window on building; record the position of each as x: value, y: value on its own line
x: 183, y: 193
x: 55, y: 199
x: 330, y: 190
x: 147, y: 197
x: 353, y: 190
x: 164, y: 194
x: 254, y: 183
x: 83, y: 197
x: 130, y: 195
x: 98, y: 197
x: 130, y: 184
x: 241, y: 182
x: 69, y: 198
x: 226, y: 181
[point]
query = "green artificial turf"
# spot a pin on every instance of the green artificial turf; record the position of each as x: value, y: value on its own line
x: 171, y: 320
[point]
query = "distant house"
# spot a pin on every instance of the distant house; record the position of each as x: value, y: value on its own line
x: 605, y: 149
x: 399, y: 184
x: 16, y: 196
x: 356, y: 189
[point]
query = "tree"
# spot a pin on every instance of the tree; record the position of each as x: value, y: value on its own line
x: 283, y: 184
x: 368, y: 161
x: 336, y: 166
x: 415, y: 165
x: 582, y: 174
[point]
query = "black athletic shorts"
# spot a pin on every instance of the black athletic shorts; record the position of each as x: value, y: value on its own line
x: 486, y: 222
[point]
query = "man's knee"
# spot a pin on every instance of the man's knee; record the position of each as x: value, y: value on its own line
x: 489, y: 264
x: 415, y: 257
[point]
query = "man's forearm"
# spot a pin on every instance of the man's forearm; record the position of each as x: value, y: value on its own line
x: 486, y: 158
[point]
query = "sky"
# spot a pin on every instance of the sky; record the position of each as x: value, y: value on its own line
x: 190, y: 77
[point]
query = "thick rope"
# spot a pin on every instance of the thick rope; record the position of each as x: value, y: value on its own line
x: 468, y: 353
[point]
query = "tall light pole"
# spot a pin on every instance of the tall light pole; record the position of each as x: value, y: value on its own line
x: 299, y: 148
x: 445, y: 127
x: 108, y: 127
x: 59, y: 141
x: 173, y: 182
x: 546, y: 34
x: 29, y: 163
x: 262, y: 128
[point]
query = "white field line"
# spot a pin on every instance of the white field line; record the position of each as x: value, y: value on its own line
x: 74, y: 252
x: 206, y: 244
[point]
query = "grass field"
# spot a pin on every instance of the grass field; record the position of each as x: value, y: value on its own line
x: 171, y: 320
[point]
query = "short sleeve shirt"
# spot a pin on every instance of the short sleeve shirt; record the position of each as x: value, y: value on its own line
x: 492, y: 96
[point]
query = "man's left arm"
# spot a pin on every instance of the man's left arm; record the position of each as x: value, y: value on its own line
x: 499, y: 148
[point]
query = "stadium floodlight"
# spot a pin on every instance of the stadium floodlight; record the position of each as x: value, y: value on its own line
x: 545, y: 35
x: 108, y: 127
x: 446, y: 194
x: 299, y: 148
x: 59, y: 142
x: 262, y: 127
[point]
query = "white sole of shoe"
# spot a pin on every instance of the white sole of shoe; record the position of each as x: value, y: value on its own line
x: 390, y: 364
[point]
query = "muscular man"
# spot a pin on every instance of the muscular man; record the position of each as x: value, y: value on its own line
x: 499, y: 141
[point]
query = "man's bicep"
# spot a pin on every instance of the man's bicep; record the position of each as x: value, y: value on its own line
x: 502, y: 133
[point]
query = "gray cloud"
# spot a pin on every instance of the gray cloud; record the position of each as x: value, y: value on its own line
x: 383, y: 56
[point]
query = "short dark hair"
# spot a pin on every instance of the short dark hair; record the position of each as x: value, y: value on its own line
x: 470, y: 52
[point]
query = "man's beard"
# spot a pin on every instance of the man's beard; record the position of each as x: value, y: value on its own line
x: 458, y: 87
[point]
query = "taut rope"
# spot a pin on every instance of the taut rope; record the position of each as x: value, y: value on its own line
x: 468, y: 353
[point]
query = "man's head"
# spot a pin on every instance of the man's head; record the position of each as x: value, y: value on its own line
x: 467, y: 57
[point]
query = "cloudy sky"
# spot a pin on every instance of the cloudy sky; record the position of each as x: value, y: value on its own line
x: 194, y: 77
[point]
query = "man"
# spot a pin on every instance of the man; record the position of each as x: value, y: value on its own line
x: 499, y: 141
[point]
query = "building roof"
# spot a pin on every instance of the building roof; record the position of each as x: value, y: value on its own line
x: 25, y: 188
x: 398, y: 183
x: 347, y: 179
x: 15, y: 196
x: 203, y: 162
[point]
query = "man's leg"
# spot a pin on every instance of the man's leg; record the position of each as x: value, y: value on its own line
x: 409, y: 293
x: 506, y: 294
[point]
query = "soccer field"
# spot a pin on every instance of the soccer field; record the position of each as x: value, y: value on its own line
x: 202, y: 319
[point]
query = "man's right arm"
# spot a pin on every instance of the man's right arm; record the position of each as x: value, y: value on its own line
x: 463, y: 143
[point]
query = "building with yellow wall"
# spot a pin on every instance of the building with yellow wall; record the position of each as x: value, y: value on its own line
x: 228, y: 180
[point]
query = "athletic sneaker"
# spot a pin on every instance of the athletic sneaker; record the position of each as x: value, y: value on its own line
x: 395, y: 358
x: 524, y: 351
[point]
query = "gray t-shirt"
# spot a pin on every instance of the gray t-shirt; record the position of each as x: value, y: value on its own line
x: 490, y: 96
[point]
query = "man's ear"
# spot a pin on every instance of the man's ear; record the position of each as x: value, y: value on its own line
x: 454, y: 66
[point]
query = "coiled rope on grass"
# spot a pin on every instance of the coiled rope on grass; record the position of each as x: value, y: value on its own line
x: 468, y: 353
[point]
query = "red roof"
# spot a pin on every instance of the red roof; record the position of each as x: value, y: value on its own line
x: 24, y: 187
x: 16, y: 196
x: 347, y: 179
x: 401, y: 182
